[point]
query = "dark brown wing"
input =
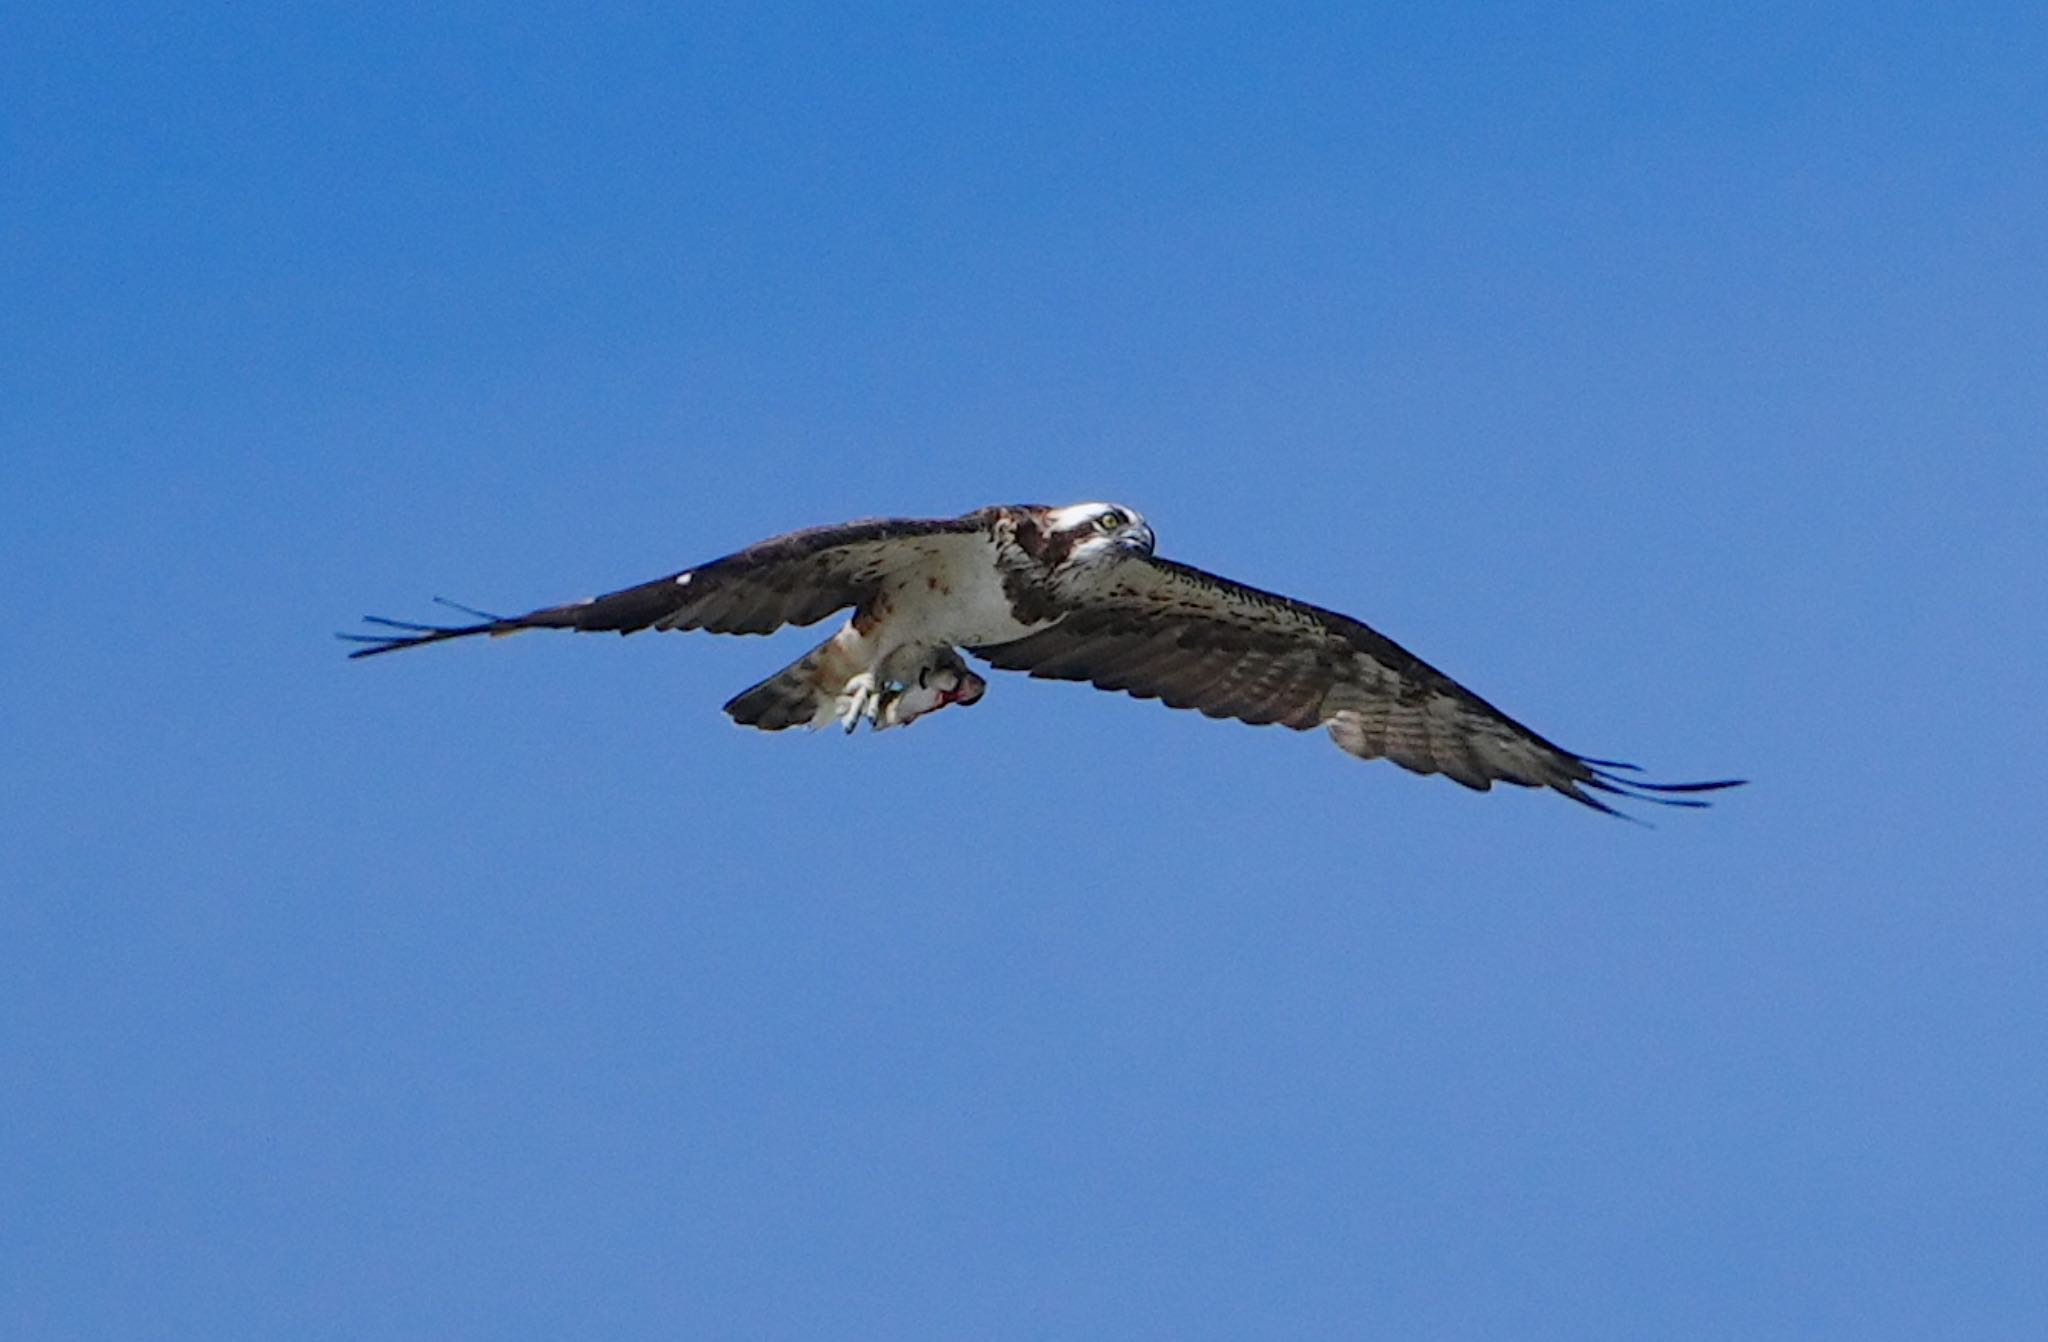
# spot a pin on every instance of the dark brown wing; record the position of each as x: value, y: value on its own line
x: 1190, y: 639
x: 799, y: 578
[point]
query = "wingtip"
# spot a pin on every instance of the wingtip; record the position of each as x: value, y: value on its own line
x: 375, y: 644
x: 411, y: 634
x: 1716, y: 785
x: 1643, y: 790
x: 471, y: 611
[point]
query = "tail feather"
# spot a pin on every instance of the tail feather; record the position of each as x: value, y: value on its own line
x: 803, y: 694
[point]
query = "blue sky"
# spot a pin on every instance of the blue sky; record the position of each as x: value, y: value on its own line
x: 1672, y: 375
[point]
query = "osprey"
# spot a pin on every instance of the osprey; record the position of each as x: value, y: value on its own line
x: 1072, y: 593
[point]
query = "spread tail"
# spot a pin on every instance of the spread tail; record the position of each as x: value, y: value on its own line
x: 803, y: 694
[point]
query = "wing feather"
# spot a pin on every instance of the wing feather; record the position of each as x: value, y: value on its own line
x: 1168, y: 631
x: 799, y: 578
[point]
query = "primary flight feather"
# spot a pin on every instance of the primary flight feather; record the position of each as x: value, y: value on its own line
x: 1073, y: 593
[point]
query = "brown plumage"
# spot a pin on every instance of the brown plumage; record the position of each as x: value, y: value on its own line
x: 797, y: 578
x: 1070, y: 593
x: 1190, y: 639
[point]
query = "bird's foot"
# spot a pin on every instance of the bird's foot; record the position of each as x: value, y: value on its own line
x: 860, y: 701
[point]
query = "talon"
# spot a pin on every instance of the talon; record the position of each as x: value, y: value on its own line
x: 860, y: 698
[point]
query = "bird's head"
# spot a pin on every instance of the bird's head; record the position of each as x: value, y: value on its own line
x: 1091, y: 533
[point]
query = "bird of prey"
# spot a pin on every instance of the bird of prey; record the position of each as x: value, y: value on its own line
x: 1073, y: 593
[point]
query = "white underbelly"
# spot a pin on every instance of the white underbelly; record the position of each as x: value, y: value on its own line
x: 957, y: 605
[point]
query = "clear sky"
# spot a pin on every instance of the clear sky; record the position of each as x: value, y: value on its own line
x: 1673, y: 375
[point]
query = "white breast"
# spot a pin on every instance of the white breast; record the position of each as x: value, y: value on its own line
x: 952, y: 595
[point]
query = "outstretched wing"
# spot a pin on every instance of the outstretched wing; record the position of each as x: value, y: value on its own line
x: 799, y: 578
x: 1167, y: 631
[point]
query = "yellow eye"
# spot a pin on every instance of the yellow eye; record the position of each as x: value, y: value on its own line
x: 1109, y: 521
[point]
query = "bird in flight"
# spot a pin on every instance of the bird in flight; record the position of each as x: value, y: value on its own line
x: 1073, y: 593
